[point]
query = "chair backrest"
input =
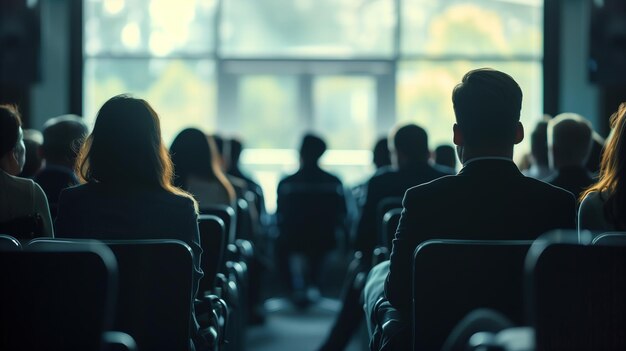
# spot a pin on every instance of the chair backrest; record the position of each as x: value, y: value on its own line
x: 576, y: 296
x: 213, y: 243
x: 154, y: 301
x: 56, y: 297
x: 23, y: 228
x: 228, y: 215
x: 451, y: 278
x: 385, y: 205
x: 9, y: 243
x: 610, y: 238
x: 390, y: 224
x: 244, y: 220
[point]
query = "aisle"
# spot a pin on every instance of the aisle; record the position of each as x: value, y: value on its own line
x: 290, y: 329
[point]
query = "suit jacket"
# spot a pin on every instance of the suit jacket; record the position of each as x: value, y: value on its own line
x: 389, y: 183
x: 572, y: 179
x: 488, y: 200
x: 310, y: 208
x: 53, y: 179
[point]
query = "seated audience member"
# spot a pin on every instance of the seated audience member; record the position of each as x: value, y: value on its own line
x: 445, y: 155
x: 408, y: 147
x: 381, y: 158
x: 223, y: 153
x: 310, y: 209
x: 488, y: 199
x: 569, y: 143
x: 128, y: 191
x: 33, y: 139
x: 197, y: 170
x: 603, y: 205
x: 62, y: 137
x: 19, y: 197
x: 409, y: 154
x: 236, y: 147
x: 539, y: 164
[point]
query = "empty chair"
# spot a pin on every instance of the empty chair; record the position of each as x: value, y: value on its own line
x: 56, y: 298
x: 576, y: 296
x: 451, y: 278
x: 213, y: 243
x: 9, y: 243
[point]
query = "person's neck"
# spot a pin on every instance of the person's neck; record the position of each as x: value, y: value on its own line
x: 469, y: 153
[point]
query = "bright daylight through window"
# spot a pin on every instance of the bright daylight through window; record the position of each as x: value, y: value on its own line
x: 269, y: 70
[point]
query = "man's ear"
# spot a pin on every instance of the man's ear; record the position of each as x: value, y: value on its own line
x: 519, y: 133
x: 458, y: 138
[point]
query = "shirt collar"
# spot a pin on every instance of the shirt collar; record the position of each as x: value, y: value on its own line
x: 499, y: 158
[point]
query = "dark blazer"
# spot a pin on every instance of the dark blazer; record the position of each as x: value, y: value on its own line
x: 96, y: 211
x: 53, y: 179
x: 310, y: 207
x: 572, y: 179
x: 488, y: 200
x: 389, y: 183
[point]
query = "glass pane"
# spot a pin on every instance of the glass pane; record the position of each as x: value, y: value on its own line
x: 472, y: 27
x: 268, y: 112
x: 329, y: 28
x: 424, y: 95
x: 182, y: 92
x: 344, y: 111
x: 157, y: 27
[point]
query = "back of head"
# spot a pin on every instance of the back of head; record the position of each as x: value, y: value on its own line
x: 33, y: 139
x: 539, y: 143
x: 569, y: 140
x: 487, y: 105
x: 311, y: 149
x: 62, y: 137
x: 10, y: 123
x: 125, y: 146
x: 192, y: 155
x: 410, y: 142
x: 445, y: 155
x: 382, y: 157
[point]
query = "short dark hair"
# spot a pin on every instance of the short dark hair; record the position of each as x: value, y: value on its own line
x: 487, y: 106
x: 312, y: 148
x: 381, y: 153
x: 411, y: 141
x: 63, y: 136
x: 10, y: 123
x: 539, y: 143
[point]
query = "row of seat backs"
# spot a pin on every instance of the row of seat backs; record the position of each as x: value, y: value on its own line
x: 59, y: 294
x: 572, y: 294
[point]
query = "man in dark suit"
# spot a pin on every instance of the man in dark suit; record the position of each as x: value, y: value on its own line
x: 310, y: 209
x: 488, y: 199
x: 408, y: 147
x: 62, y: 137
x: 409, y: 154
x: 569, y: 144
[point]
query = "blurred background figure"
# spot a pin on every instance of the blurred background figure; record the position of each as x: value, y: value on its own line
x: 539, y: 166
x: 569, y: 144
x: 381, y: 158
x: 310, y: 210
x: 197, y: 169
x: 33, y: 139
x: 62, y: 138
x: 445, y: 156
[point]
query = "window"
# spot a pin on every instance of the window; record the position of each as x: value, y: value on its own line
x: 268, y: 71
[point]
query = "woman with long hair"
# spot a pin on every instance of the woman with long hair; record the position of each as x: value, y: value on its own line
x: 127, y: 190
x: 603, y: 206
x: 197, y: 170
